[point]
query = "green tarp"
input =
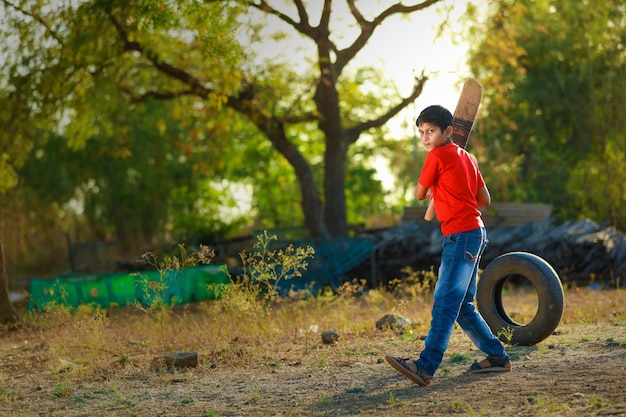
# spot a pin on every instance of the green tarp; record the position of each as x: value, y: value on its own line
x: 108, y: 290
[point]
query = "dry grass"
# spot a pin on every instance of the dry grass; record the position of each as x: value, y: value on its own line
x: 263, y: 356
x: 94, y: 362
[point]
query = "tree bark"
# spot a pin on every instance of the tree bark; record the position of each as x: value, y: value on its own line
x: 8, y: 313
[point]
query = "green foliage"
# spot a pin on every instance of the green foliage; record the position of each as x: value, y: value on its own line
x: 395, y: 401
x: 554, y: 84
x: 152, y: 176
x: 101, y: 154
x: 506, y: 333
x: 132, y: 168
x: 136, y: 118
x: 253, y: 293
x: 267, y: 266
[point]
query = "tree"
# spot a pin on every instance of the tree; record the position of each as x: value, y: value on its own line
x: 155, y: 50
x: 554, y: 73
x: 325, y: 215
x: 15, y: 144
x: 145, y: 183
x: 60, y: 74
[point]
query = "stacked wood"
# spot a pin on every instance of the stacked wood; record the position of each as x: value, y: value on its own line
x: 581, y: 251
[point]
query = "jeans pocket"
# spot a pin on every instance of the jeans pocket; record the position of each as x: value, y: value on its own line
x: 473, y: 248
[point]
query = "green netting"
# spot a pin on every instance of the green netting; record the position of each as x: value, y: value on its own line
x: 107, y: 290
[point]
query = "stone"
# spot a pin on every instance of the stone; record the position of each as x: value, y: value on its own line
x: 392, y: 321
x: 174, y: 360
x: 330, y: 337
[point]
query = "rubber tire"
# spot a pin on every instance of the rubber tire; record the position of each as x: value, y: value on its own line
x: 549, y: 292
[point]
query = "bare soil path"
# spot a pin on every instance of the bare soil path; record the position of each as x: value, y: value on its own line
x: 579, y: 371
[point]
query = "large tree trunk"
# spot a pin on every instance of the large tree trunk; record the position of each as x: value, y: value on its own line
x: 274, y: 129
x: 327, y: 103
x: 309, y: 191
x: 8, y: 313
x: 335, y: 212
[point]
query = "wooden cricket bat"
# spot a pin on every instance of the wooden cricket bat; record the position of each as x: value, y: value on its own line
x: 464, y: 117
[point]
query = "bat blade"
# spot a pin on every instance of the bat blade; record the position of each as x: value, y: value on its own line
x: 465, y: 112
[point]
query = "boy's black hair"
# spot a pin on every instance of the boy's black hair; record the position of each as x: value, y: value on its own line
x: 437, y: 115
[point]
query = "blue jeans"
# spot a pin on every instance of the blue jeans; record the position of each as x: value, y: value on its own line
x: 453, y: 300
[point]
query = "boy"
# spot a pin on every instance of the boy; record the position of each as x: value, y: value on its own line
x: 450, y: 176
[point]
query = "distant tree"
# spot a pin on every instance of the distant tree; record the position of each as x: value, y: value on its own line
x: 132, y: 188
x: 61, y: 76
x: 554, y: 76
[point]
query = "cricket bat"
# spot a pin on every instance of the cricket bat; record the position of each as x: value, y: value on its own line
x: 464, y: 117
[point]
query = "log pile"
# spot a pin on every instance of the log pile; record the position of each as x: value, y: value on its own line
x: 581, y: 251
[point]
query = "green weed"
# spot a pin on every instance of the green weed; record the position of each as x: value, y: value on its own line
x: 323, y: 362
x: 506, y: 333
x: 253, y: 293
x: 395, y: 401
x: 594, y: 402
x: 156, y: 304
x: 63, y: 389
x: 460, y: 358
x: 325, y: 400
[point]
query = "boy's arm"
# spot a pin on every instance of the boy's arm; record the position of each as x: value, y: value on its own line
x: 483, y: 198
x: 421, y: 192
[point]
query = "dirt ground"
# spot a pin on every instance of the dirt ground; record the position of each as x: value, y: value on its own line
x: 578, y: 371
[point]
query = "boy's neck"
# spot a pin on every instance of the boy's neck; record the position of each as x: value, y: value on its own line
x: 447, y: 142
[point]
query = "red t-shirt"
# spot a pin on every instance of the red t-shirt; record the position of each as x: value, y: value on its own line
x: 455, y: 178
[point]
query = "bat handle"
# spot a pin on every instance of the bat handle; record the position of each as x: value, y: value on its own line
x: 430, y: 211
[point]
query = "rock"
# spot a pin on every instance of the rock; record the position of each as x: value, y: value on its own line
x: 392, y: 321
x: 330, y: 337
x: 173, y: 360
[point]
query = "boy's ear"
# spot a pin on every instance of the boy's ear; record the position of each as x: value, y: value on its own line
x: 448, y: 132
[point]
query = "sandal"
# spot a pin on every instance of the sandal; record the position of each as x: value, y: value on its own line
x: 491, y: 364
x: 420, y: 377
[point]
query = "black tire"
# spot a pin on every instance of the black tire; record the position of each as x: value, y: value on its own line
x: 549, y: 292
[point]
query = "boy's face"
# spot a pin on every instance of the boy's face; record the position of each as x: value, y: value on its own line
x: 432, y: 136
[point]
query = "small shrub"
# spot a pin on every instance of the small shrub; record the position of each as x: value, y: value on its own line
x: 159, y: 307
x: 263, y: 269
x: 507, y: 333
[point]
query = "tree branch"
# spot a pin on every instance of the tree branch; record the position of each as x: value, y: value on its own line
x: 157, y: 95
x: 194, y: 84
x: 344, y: 56
x: 354, y: 132
x: 302, y: 26
x: 325, y: 19
x: 36, y: 18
